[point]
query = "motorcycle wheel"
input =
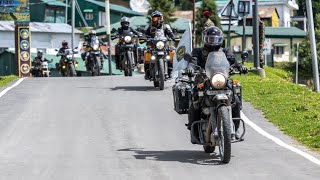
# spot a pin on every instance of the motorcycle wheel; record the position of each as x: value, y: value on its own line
x: 224, y: 131
x: 97, y: 67
x: 72, y: 70
x: 156, y: 83
x: 161, y: 74
x: 128, y: 64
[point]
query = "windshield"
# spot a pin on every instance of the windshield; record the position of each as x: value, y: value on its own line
x: 94, y: 40
x: 159, y: 35
x: 217, y: 63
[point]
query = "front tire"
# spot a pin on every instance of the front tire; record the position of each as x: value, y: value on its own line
x: 224, y: 130
x: 161, y: 74
x: 208, y: 148
x: 72, y: 70
x: 129, y: 63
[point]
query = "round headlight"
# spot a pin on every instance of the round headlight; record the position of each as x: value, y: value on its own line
x: 218, y: 81
x: 167, y: 57
x: 127, y: 39
x: 153, y: 58
x: 95, y: 47
x: 69, y: 56
x: 160, y: 45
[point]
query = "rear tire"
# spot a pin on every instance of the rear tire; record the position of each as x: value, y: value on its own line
x: 224, y: 134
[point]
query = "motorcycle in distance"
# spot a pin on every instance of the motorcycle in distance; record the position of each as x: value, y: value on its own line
x: 94, y: 58
x: 42, y: 70
x: 215, y: 93
x: 158, y: 56
x: 67, y: 65
x: 127, y: 45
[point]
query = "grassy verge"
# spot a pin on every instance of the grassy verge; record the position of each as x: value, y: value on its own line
x: 293, y: 108
x: 4, y: 80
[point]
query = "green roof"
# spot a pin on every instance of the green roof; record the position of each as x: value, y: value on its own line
x: 270, y: 32
x: 114, y: 7
x: 54, y: 3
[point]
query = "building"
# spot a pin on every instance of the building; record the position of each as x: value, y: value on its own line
x: 44, y: 36
x: 93, y: 13
x: 49, y: 11
x: 269, y: 16
x: 285, y: 9
x: 279, y: 43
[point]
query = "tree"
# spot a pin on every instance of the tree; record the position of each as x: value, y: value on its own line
x: 305, y: 58
x: 5, y: 17
x: 207, y: 5
x: 166, y: 7
x: 184, y: 5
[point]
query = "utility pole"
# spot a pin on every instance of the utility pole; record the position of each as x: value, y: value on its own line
x: 313, y: 47
x: 244, y: 19
x: 297, y: 63
x: 66, y: 12
x: 229, y: 28
x: 107, y: 9
x: 194, y: 24
x: 72, y: 24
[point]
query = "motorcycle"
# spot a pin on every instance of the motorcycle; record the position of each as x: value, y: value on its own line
x: 67, y: 65
x: 159, y: 55
x: 41, y: 70
x: 215, y: 93
x: 127, y: 46
x: 94, y: 58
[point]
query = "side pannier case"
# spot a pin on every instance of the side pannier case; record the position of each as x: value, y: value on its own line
x: 181, y: 97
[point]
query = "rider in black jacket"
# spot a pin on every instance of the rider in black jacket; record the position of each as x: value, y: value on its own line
x: 157, y: 22
x: 125, y: 28
x: 212, y: 39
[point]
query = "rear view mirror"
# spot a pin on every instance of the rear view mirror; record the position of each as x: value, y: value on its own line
x: 113, y: 30
x: 187, y: 57
x: 56, y: 49
x: 244, y: 56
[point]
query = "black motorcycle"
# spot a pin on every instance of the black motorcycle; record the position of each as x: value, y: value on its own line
x: 127, y: 46
x: 160, y: 58
x: 94, y: 58
x: 212, y: 91
x: 67, y: 65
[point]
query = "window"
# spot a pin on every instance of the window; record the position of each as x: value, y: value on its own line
x: 279, y: 50
x: 49, y: 17
x: 89, y: 15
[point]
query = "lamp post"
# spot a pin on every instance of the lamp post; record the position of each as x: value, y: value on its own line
x: 243, y: 11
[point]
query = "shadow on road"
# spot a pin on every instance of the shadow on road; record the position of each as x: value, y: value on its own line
x: 182, y: 156
x: 135, y: 88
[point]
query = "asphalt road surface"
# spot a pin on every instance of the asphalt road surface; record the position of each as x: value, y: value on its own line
x: 113, y: 128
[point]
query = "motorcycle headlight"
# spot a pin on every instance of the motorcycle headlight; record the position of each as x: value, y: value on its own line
x: 95, y: 47
x: 153, y: 58
x: 69, y: 56
x: 127, y: 39
x: 167, y: 57
x: 218, y: 81
x: 76, y: 65
x: 160, y: 45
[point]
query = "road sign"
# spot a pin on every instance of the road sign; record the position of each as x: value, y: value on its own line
x: 229, y: 10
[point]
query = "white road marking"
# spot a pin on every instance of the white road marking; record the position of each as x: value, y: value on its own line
x: 278, y: 141
x: 9, y: 88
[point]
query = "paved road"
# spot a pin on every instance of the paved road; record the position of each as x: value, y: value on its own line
x: 122, y: 128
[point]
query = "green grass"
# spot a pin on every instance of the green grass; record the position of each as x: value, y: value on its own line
x: 293, y: 108
x: 4, y: 80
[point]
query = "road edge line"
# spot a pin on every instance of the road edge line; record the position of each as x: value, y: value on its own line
x: 278, y: 141
x: 10, y: 87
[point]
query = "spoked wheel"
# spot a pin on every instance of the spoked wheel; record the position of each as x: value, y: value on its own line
x: 161, y: 74
x: 224, y: 131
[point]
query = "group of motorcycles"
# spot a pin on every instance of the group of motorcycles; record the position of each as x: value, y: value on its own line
x: 158, y: 55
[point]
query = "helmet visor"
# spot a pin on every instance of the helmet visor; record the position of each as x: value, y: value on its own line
x: 213, y: 39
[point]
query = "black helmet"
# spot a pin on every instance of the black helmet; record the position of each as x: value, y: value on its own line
x: 212, y: 38
x: 64, y: 43
x: 124, y: 21
x: 157, y: 19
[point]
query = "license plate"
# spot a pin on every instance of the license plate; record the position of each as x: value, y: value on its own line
x: 160, y: 53
x: 212, y: 93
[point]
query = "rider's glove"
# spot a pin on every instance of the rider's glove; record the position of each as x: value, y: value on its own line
x: 190, y: 69
x: 243, y: 69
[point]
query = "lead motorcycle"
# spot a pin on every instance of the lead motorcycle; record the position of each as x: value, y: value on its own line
x: 215, y: 93
x: 41, y: 69
x: 160, y: 57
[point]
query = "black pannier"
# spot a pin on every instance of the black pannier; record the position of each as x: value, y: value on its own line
x: 181, y: 97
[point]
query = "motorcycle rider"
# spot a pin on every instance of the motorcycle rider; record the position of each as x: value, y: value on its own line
x: 37, y: 63
x: 86, y: 45
x: 157, y: 22
x: 124, y: 29
x: 62, y: 52
x: 208, y: 22
x: 212, y: 41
